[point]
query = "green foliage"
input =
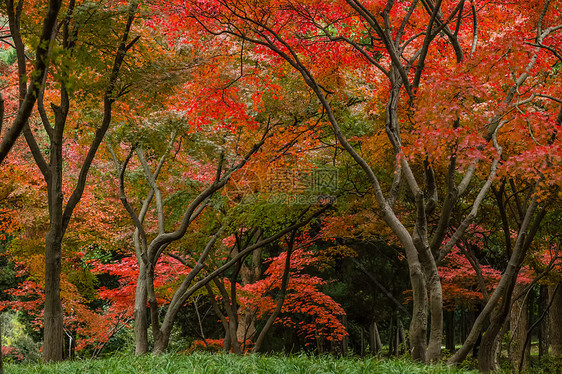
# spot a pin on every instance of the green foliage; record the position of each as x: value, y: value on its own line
x: 8, y: 56
x: 221, y: 363
x: 15, y: 336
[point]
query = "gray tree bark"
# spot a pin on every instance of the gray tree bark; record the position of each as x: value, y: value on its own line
x: 519, y: 324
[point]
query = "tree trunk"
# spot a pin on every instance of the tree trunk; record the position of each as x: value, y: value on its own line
x: 543, y: 328
x: 487, y: 353
x: 418, y: 325
x: 140, y: 313
x: 502, y: 292
x: 376, y: 344
x: 498, y: 345
x: 249, y: 274
x: 450, y: 330
x: 519, y: 324
x: 391, y: 337
x: 345, y: 340
x: 436, y: 313
x: 555, y: 314
x: 161, y: 343
x: 433, y: 284
x: 280, y: 296
x: 53, y: 340
x: 464, y: 329
x: 246, y: 326
x: 229, y: 306
x: 402, y: 344
x: 227, y: 345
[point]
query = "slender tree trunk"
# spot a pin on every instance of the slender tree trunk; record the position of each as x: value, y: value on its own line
x: 397, y: 339
x: 464, y: 329
x: 450, y: 330
x: 498, y: 345
x: 140, y: 313
x: 232, y: 316
x: 402, y: 338
x: 345, y: 340
x: 555, y: 313
x: 543, y: 328
x: 502, y: 292
x: 226, y: 342
x: 280, y: 296
x: 391, y: 339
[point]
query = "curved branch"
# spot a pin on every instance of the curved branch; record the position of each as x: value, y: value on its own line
x: 41, y: 66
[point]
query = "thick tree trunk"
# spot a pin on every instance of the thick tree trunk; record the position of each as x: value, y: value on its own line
x: 235, y: 344
x: 487, y: 352
x: 246, y: 326
x: 53, y: 340
x: 555, y: 314
x: 436, y: 312
x: 418, y: 325
x: 519, y: 324
x: 227, y: 345
x: 249, y: 274
x: 376, y: 343
x: 161, y: 343
x: 140, y: 313
x: 490, y: 348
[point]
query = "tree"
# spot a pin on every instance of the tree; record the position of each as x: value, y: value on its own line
x: 27, y: 94
x: 70, y: 46
x: 408, y: 45
x: 279, y: 34
x: 299, y: 303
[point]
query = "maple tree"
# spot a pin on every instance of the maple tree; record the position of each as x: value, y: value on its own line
x: 407, y: 45
x: 442, y: 119
x: 149, y: 250
x: 298, y: 294
x: 70, y: 55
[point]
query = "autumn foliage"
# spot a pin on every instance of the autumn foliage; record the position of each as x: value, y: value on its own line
x: 156, y: 194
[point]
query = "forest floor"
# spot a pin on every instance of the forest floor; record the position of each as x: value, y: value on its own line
x: 203, y: 363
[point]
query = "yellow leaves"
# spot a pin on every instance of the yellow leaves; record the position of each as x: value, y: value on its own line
x: 335, y: 252
x: 377, y: 149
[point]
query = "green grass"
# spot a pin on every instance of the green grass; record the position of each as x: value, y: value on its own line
x: 203, y: 363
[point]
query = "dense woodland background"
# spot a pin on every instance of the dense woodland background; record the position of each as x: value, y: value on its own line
x: 321, y: 176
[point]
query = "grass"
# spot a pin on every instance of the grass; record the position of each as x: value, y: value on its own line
x: 203, y: 363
